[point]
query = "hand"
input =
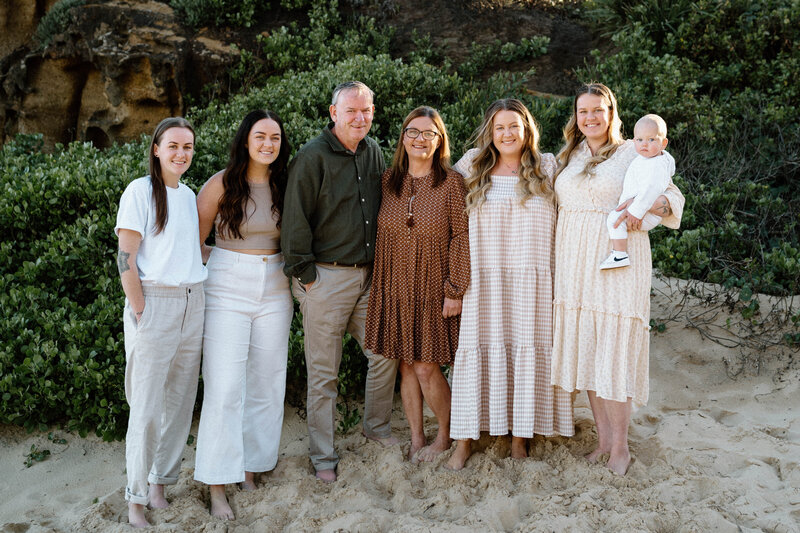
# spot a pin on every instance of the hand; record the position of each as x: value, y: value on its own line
x: 633, y: 223
x: 307, y: 286
x: 451, y: 307
x: 138, y: 315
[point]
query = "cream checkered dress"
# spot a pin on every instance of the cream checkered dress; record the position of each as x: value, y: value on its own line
x: 501, y: 373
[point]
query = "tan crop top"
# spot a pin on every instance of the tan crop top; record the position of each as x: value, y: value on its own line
x: 259, y: 228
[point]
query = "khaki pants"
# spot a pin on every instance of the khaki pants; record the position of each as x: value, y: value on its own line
x: 335, y: 304
x: 162, y: 355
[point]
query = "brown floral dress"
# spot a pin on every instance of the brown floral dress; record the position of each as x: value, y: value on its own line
x: 416, y: 267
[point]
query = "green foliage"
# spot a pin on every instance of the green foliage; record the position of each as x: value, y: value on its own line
x: 487, y: 55
x: 35, y: 456
x: 723, y: 75
x: 55, y: 21
x: 197, y: 13
x: 325, y: 41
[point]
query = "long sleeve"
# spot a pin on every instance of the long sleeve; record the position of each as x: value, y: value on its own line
x: 676, y: 202
x: 651, y: 178
x: 458, y: 250
x: 299, y: 204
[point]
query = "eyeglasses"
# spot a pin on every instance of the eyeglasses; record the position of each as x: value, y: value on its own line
x: 413, y: 133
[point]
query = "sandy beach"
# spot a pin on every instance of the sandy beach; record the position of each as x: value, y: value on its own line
x: 716, y: 449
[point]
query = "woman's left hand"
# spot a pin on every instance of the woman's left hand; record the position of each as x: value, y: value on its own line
x: 633, y: 223
x: 451, y: 307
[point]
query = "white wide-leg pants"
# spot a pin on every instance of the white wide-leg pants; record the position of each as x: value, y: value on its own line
x: 245, y: 345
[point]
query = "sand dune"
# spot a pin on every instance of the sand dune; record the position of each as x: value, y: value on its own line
x: 711, y: 453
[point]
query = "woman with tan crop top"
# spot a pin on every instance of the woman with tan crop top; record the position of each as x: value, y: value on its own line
x: 248, y: 311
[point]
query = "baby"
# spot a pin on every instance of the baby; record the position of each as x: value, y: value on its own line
x: 645, y: 180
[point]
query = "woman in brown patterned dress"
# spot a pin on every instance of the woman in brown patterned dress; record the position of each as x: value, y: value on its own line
x: 421, y: 273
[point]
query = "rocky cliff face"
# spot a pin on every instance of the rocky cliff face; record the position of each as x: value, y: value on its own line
x: 118, y: 70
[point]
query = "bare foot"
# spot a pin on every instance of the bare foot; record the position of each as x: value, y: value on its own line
x: 136, y: 515
x: 619, y: 463
x: 519, y: 447
x: 220, y: 508
x: 414, y: 450
x: 384, y: 441
x: 595, y: 455
x: 460, y: 455
x: 157, y: 498
x: 326, y: 476
x: 249, y: 482
x: 429, y: 453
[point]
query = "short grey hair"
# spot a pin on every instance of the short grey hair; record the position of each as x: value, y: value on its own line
x: 354, y: 85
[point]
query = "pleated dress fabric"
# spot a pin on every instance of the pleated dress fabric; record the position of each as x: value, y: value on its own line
x: 601, y: 330
x: 415, y: 268
x: 501, y: 373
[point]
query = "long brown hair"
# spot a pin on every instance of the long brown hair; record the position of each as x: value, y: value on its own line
x: 236, y: 190
x: 532, y: 180
x: 441, y: 157
x: 573, y: 135
x: 156, y: 177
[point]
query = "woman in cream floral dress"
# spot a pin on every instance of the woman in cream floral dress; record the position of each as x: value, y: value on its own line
x: 601, y: 332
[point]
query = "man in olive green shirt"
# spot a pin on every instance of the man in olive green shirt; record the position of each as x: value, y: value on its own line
x: 328, y: 241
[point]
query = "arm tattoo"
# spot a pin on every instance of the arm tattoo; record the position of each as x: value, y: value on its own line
x: 665, y: 208
x: 122, y: 261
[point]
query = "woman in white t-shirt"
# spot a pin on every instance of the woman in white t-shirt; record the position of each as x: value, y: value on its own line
x: 162, y: 274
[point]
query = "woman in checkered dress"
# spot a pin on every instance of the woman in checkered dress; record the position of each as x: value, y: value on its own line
x: 501, y: 374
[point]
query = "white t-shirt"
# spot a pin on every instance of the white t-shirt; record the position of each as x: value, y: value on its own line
x: 172, y: 257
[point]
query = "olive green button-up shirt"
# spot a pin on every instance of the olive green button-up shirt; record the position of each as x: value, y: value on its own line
x: 331, y: 207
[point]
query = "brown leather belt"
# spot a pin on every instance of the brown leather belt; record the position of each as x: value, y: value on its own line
x: 338, y: 264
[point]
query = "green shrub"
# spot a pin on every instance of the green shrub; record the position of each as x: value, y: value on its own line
x: 55, y: 21
x: 722, y: 74
x: 197, y: 13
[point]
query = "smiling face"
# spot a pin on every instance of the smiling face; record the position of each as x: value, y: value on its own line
x: 174, y: 152
x: 352, y: 117
x: 648, y: 140
x: 264, y: 142
x: 593, y: 116
x: 420, y: 149
x: 508, y: 133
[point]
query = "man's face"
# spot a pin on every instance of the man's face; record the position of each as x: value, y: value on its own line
x: 352, y: 117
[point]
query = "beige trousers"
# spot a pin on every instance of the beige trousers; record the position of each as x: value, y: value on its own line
x: 162, y: 355
x: 337, y: 303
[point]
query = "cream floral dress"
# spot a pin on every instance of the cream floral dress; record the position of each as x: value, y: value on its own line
x: 601, y: 338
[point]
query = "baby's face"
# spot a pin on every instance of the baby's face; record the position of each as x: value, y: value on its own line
x: 647, y: 140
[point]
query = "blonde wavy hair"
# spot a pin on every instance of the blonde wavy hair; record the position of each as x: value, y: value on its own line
x: 573, y: 135
x: 532, y: 180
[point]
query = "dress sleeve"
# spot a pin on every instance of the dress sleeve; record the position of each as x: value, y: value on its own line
x: 464, y: 165
x: 676, y: 201
x: 458, y: 249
